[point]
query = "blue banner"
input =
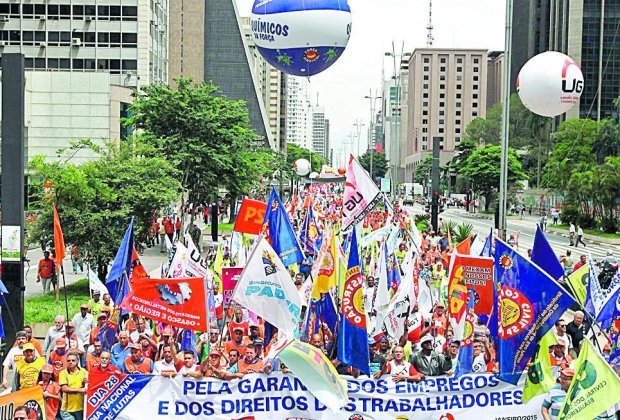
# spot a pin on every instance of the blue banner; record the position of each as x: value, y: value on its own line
x: 281, y: 234
x: 121, y: 266
x: 530, y: 302
x: 544, y: 257
x: 353, y: 339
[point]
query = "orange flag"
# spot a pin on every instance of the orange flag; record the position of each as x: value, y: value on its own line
x: 59, y: 241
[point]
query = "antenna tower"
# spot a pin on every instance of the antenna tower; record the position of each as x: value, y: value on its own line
x: 429, y: 36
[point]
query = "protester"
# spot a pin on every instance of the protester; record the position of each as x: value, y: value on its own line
x: 51, y: 391
x: 28, y: 367
x: 429, y: 362
x: 73, y: 382
x: 58, y: 330
x: 400, y: 369
x: 14, y: 355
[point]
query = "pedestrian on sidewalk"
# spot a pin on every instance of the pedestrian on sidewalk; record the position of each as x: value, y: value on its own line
x: 579, y: 236
x: 571, y: 234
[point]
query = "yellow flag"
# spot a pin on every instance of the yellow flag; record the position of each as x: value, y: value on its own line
x: 540, y: 375
x: 327, y: 273
x: 594, y: 388
x: 219, y: 261
x: 578, y: 282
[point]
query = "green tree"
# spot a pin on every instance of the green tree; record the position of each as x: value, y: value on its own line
x: 96, y: 200
x: 203, y: 134
x: 379, y: 164
x: 482, y: 169
x: 294, y: 153
x: 423, y: 169
x: 606, y: 142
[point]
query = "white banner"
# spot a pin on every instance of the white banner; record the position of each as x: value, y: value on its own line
x: 283, y: 396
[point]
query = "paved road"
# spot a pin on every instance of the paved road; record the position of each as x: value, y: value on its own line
x: 527, y: 226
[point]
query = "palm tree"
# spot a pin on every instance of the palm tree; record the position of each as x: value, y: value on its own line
x: 606, y: 142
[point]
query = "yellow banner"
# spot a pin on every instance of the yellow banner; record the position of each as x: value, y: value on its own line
x: 31, y: 398
x: 578, y: 282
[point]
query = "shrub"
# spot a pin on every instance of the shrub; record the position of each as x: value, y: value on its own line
x: 569, y: 214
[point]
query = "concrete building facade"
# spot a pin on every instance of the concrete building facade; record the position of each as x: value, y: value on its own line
x: 298, y: 113
x: 318, y: 132
x: 447, y: 88
x: 495, y: 78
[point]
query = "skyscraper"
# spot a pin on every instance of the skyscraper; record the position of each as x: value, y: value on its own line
x: 298, y: 113
x: 587, y: 31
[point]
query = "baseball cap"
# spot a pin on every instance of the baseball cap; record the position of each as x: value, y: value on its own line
x: 136, y: 346
x: 84, y: 306
x: 28, y: 346
x: 426, y: 339
x: 215, y: 353
x: 455, y: 342
x: 258, y: 342
x: 371, y: 341
x: 47, y: 368
x: 167, y: 331
x: 101, y: 315
x: 382, y: 338
x: 439, y: 305
x: 568, y: 372
x: 238, y: 329
x: 96, y: 292
x: 61, y: 342
x: 105, y: 309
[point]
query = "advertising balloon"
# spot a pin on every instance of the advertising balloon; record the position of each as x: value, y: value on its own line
x: 301, y: 38
x: 302, y: 167
x: 550, y: 84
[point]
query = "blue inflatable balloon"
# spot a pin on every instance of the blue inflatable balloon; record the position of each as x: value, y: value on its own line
x: 301, y: 37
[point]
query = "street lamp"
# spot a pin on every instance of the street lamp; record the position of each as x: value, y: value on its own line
x: 358, y: 126
x: 371, y: 129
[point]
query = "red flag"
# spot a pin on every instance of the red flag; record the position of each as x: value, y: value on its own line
x: 466, y: 272
x: 178, y: 302
x: 59, y: 241
x: 138, y: 272
x: 250, y: 217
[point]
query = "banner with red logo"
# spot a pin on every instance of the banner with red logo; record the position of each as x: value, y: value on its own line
x: 230, y: 276
x: 179, y: 302
x: 250, y: 217
x: 468, y: 271
x: 31, y: 398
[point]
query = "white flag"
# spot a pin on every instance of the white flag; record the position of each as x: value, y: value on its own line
x: 195, y: 263
x: 400, y: 306
x: 266, y: 288
x: 305, y: 291
x: 95, y: 284
x: 178, y: 265
x: 382, y: 296
x: 361, y: 195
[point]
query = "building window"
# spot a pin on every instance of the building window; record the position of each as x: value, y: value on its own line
x: 130, y: 13
x: 457, y: 130
x: 457, y: 139
x: 457, y: 122
x: 476, y: 69
x: 442, y: 86
x: 458, y: 113
x: 458, y: 96
x: 423, y: 147
x: 459, y: 69
x: 425, y: 129
x: 115, y: 12
x: 425, y: 86
x: 442, y: 68
x: 443, y: 60
x: 475, y: 96
x: 459, y: 60
x: 440, y: 130
x: 459, y: 86
x: 424, y: 121
x: 475, y: 87
x: 442, y: 77
x: 475, y: 78
x: 474, y: 105
x: 442, y: 112
x: 427, y: 59
x: 425, y: 103
x: 441, y: 121
x: 457, y: 104
x: 126, y: 131
x: 442, y: 96
x: 442, y: 104
x: 425, y: 95
x: 474, y: 114
x: 425, y: 138
x: 427, y: 68
x: 425, y: 112
x: 426, y: 77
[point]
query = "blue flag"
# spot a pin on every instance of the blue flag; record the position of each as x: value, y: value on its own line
x: 465, y: 362
x: 487, y: 250
x: 594, y: 293
x: 614, y: 333
x: 281, y: 234
x: 3, y: 292
x: 326, y: 311
x: 544, y: 257
x: 353, y: 339
x: 187, y: 342
x: 121, y: 266
x: 393, y: 271
x: 530, y: 303
x: 610, y: 307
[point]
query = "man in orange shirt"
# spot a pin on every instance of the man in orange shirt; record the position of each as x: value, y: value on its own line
x: 93, y: 357
x: 58, y: 357
x: 36, y: 343
x: 137, y: 363
x: 237, y: 342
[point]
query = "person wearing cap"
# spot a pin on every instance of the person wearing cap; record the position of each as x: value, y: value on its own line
x: 439, y: 318
x: 58, y: 357
x: 212, y: 367
x: 51, y: 391
x: 58, y: 330
x: 74, y: 342
x: 557, y: 355
x: 136, y: 362
x: 14, y: 355
x: 306, y: 265
x: 400, y: 369
x: 384, y: 346
x: 101, y: 322
x: 376, y: 360
x: 28, y: 367
x: 237, y: 342
x: 73, y: 384
x: 47, y: 268
x: 253, y: 334
x: 169, y: 364
x: 105, y: 365
x: 167, y: 338
x: 95, y: 303
x: 259, y: 347
x: 84, y: 323
x: 554, y: 399
x: 238, y: 320
x: 439, y: 340
x: 429, y: 362
x: 120, y: 351
x: 36, y: 343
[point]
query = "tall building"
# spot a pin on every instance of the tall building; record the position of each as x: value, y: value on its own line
x: 298, y: 112
x: 328, y: 154
x: 587, y: 31
x: 495, y: 77
x: 272, y: 87
x: 225, y: 58
x: 394, y: 126
x: 446, y: 90
x: 318, y: 132
x: 128, y: 41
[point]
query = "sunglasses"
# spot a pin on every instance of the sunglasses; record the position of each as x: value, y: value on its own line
x: 71, y: 360
x: 20, y: 418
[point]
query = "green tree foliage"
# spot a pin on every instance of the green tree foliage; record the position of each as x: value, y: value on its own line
x: 482, y: 169
x: 294, y: 153
x: 423, y: 169
x: 96, y: 200
x: 203, y: 134
x: 379, y: 164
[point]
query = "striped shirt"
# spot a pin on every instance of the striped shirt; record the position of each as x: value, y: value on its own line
x: 553, y: 401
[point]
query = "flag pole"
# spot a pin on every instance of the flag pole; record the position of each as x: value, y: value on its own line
x: 64, y: 285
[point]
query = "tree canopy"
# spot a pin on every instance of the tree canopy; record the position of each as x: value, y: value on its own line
x: 294, y: 153
x: 379, y: 164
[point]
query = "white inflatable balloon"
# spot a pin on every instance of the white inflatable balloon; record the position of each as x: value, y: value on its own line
x: 314, y: 175
x: 302, y: 167
x: 550, y: 84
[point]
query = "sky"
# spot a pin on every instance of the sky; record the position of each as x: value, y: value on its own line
x: 376, y: 25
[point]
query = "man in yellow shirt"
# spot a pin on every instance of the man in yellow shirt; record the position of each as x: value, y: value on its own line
x: 73, y: 383
x: 28, y: 367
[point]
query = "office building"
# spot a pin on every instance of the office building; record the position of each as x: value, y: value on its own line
x: 225, y: 59
x: 298, y: 112
x: 446, y: 90
x: 495, y: 78
x: 319, y: 132
x: 128, y: 41
x: 586, y: 30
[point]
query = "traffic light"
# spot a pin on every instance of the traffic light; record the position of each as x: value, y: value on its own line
x: 435, y: 197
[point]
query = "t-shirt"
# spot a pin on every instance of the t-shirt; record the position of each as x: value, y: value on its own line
x: 479, y: 365
x: 29, y: 372
x: 164, y: 368
x: 404, y: 368
x: 376, y: 363
x: 73, y: 402
x: 554, y: 399
x: 51, y: 404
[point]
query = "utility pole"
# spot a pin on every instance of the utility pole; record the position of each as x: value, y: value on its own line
x: 371, y: 139
x: 358, y: 129
x: 435, y: 185
x: 503, y: 175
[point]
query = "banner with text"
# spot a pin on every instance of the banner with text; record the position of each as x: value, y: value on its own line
x: 31, y: 398
x: 230, y: 276
x: 281, y: 396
